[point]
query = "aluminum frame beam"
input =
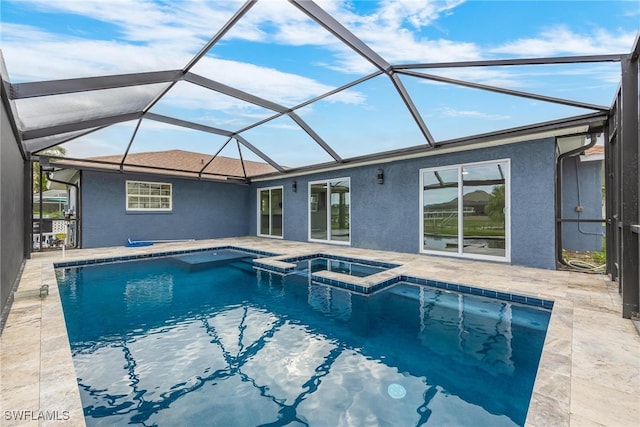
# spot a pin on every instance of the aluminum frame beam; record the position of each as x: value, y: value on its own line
x: 187, y: 124
x: 86, y: 84
x: 610, y: 156
x: 516, y: 61
x: 233, y: 92
x: 511, y: 92
x: 630, y: 181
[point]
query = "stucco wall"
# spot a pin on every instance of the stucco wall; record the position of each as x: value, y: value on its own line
x: 387, y: 216
x: 582, y: 186
x: 12, y: 210
x: 201, y: 210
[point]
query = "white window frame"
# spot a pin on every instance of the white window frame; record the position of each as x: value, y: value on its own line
x: 328, y: 204
x: 170, y: 196
x: 259, y: 211
x: 507, y: 218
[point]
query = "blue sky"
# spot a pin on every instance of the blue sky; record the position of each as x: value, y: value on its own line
x: 277, y: 53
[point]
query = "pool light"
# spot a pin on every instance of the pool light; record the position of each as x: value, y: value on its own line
x: 396, y: 391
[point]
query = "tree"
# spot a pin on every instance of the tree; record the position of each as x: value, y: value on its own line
x: 56, y: 151
x: 495, y: 205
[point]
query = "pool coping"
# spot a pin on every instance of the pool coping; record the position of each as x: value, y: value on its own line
x: 576, y: 356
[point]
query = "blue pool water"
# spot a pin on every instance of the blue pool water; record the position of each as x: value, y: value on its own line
x: 161, y: 342
x: 344, y: 267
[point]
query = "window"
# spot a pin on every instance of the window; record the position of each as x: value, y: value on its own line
x: 270, y: 212
x: 149, y: 196
x: 330, y: 211
x: 465, y: 210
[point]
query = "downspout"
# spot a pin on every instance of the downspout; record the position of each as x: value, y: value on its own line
x: 78, y: 206
x: 559, y: 160
x: 28, y: 207
x: 40, y: 220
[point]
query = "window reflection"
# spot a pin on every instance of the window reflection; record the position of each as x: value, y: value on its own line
x: 483, y: 188
x: 276, y: 212
x: 264, y: 212
x: 474, y: 224
x: 441, y: 210
x: 318, y: 211
x: 340, y: 211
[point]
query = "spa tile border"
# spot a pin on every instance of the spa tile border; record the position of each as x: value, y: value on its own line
x: 367, y: 262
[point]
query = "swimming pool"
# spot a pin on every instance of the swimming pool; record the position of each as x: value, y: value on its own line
x: 158, y: 341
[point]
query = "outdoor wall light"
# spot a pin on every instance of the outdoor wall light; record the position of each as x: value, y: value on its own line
x: 380, y: 176
x: 294, y: 186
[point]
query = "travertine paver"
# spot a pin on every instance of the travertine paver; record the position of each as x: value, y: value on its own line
x: 589, y: 372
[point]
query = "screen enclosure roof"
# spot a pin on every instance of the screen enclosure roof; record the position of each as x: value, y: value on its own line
x: 292, y: 84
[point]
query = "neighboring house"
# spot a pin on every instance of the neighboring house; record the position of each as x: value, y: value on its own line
x: 60, y: 204
x: 54, y: 203
x: 583, y: 198
x: 48, y: 218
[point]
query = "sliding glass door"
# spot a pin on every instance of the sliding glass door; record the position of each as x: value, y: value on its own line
x: 465, y: 210
x: 270, y: 212
x: 330, y: 210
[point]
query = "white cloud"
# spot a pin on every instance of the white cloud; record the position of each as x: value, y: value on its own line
x: 393, y: 31
x: 451, y: 112
x: 281, y: 125
x: 280, y: 22
x: 534, y: 78
x: 32, y: 54
x: 561, y: 40
x: 415, y: 12
x: 269, y: 83
x: 144, y: 20
x: 104, y: 142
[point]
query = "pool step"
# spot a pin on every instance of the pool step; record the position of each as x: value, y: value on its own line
x: 204, y: 260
